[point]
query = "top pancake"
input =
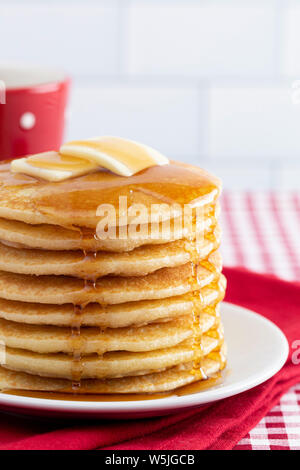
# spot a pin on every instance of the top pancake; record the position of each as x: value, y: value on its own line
x: 75, y: 201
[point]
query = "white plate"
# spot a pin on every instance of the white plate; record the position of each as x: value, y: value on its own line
x: 257, y: 349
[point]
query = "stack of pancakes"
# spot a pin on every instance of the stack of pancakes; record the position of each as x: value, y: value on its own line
x: 85, y: 314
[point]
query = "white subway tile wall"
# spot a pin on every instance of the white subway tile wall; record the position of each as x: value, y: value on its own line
x: 241, y: 175
x: 201, y: 38
x: 161, y: 116
x: 290, y: 177
x: 292, y: 40
x: 214, y: 82
x: 81, y: 38
x: 248, y: 123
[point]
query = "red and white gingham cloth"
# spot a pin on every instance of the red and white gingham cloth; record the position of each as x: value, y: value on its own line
x: 261, y: 232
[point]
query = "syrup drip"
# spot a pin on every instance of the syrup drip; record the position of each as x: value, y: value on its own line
x: 196, y: 296
x: 76, y: 347
x: 77, y: 341
x: 197, y: 300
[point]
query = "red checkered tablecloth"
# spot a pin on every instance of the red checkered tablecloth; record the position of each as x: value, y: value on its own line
x: 261, y: 232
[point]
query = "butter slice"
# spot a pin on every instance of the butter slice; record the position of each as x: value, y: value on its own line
x: 121, y: 156
x: 52, y: 166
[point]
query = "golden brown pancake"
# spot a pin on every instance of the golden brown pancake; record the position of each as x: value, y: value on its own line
x: 52, y: 339
x: 55, y: 237
x: 138, y: 314
x: 111, y: 364
x: 166, y: 282
x: 110, y: 316
x: 139, y: 262
x: 170, y: 379
x: 76, y: 201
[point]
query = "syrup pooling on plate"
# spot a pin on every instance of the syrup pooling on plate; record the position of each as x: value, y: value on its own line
x: 190, y: 389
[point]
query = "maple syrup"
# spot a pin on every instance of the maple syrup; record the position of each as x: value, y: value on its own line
x: 171, y: 184
x: 76, y: 339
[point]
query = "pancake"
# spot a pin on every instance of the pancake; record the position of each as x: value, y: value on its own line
x: 170, y: 379
x: 76, y: 201
x: 111, y: 364
x: 139, y: 262
x: 166, y: 282
x: 52, y: 339
x: 110, y: 316
x: 55, y: 237
x: 89, y: 305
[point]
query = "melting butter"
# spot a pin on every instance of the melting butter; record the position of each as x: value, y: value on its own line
x: 78, y: 158
x: 121, y: 156
x: 52, y: 166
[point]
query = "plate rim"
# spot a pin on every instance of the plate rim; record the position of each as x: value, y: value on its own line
x: 216, y: 393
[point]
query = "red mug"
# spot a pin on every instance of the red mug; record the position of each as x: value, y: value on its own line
x: 32, y: 110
